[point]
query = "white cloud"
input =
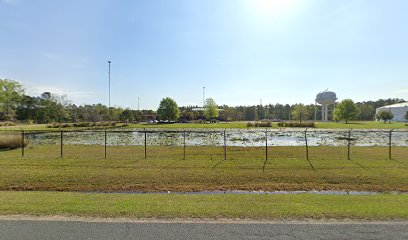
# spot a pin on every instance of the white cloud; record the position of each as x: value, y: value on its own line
x: 76, y: 96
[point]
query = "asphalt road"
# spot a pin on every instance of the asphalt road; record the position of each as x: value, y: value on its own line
x: 34, y: 229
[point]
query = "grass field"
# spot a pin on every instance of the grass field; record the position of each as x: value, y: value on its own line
x: 84, y: 168
x: 43, y: 127
x: 362, y: 125
x: 302, y: 206
x: 333, y: 125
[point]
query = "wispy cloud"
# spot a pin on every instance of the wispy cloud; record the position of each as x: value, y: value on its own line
x: 9, y: 1
x: 77, y: 96
x: 53, y: 56
x: 402, y: 91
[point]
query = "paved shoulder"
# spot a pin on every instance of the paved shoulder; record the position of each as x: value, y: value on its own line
x: 34, y: 229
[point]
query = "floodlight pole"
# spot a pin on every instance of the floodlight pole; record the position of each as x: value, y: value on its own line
x: 203, y: 96
x: 109, y: 63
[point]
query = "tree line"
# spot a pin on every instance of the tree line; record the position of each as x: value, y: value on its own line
x: 15, y: 105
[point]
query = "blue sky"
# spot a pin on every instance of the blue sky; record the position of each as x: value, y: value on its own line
x: 280, y: 51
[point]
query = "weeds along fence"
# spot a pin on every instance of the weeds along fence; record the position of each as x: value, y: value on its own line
x: 220, y: 144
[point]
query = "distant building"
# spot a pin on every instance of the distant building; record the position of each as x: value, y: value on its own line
x: 399, y: 110
x: 147, y: 117
x: 200, y: 109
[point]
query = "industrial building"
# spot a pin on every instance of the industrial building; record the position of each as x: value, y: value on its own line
x: 399, y: 110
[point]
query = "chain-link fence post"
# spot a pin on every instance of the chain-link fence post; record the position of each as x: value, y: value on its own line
x: 22, y: 143
x: 62, y: 144
x: 266, y: 150
x: 307, y: 146
x: 390, y: 144
x: 184, y: 145
x: 225, y: 145
x: 106, y: 139
x: 145, y: 143
x: 266, y: 144
x: 348, y: 144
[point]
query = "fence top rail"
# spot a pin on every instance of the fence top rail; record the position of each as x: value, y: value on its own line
x: 219, y: 131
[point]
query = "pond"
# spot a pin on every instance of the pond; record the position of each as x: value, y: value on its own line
x: 233, y: 137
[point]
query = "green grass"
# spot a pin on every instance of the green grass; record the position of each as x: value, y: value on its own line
x: 83, y: 168
x: 333, y: 125
x: 302, y: 206
x: 222, y: 125
x: 43, y: 127
x: 362, y: 125
x: 191, y: 125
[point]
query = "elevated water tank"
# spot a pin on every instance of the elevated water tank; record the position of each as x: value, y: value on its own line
x: 326, y: 98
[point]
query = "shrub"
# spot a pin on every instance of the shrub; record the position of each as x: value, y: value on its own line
x: 59, y: 125
x: 11, y: 141
x: 385, y: 116
x: 265, y: 124
x: 260, y: 124
x: 53, y: 125
x: 297, y: 124
x: 103, y: 124
x: 7, y: 123
x: 82, y: 124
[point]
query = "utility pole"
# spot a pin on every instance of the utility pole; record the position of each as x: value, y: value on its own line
x: 138, y: 106
x: 109, y: 63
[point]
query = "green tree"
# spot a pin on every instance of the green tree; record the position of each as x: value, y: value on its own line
x: 11, y: 93
x: 60, y: 104
x: 367, y: 112
x: 406, y: 116
x: 168, y: 110
x: 28, y: 108
x: 346, y: 110
x: 229, y: 114
x: 210, y: 109
x: 385, y: 115
x: 127, y: 116
x: 300, y: 112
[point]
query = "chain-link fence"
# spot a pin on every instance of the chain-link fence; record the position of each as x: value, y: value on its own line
x: 219, y: 144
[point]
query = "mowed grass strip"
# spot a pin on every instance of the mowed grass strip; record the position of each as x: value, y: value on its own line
x: 222, y: 125
x: 301, y: 206
x: 362, y: 125
x: 84, y: 168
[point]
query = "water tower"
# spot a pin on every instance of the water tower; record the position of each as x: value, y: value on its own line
x: 325, y: 99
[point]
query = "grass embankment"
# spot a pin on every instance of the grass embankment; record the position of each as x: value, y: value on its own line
x: 361, y: 125
x: 44, y: 127
x: 191, y: 125
x: 378, y: 207
x: 332, y: 125
x: 238, y: 125
x: 83, y: 168
x: 11, y: 141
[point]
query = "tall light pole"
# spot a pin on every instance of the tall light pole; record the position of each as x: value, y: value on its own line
x: 203, y: 96
x: 109, y: 63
